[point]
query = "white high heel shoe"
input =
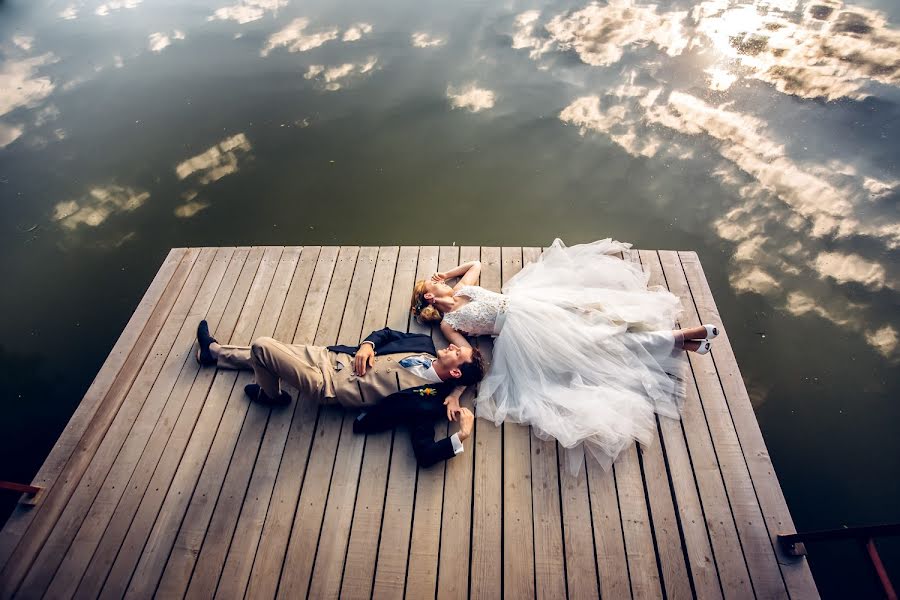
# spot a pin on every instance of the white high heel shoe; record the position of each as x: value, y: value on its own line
x: 704, y: 348
x: 712, y: 331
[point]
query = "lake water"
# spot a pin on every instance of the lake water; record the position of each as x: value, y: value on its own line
x: 763, y: 135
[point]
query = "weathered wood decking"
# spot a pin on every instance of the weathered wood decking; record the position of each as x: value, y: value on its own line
x: 168, y: 481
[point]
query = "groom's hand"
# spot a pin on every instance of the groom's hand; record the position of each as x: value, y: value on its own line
x: 452, y: 404
x: 466, y: 423
x: 365, y: 358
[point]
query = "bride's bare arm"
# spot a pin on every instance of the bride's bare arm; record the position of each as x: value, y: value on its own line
x: 469, y: 273
x: 470, y: 277
x: 454, y: 337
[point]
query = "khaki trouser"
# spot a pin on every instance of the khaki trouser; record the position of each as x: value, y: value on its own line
x: 310, y: 369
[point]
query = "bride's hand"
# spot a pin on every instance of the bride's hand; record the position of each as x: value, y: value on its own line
x: 438, y: 277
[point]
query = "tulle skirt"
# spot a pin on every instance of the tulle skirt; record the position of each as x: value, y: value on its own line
x: 585, y: 353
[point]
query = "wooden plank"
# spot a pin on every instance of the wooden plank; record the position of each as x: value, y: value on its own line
x: 304, y: 537
x: 487, y: 510
x: 456, y: 521
x: 424, y: 548
x: 134, y: 337
x: 367, y: 300
x: 639, y: 548
x: 141, y: 501
x: 662, y: 508
x: 56, y: 501
x: 128, y: 433
x: 581, y: 569
x: 292, y: 471
x: 518, y: 517
x: 124, y: 555
x: 777, y: 517
x: 396, y: 526
x: 609, y: 541
x: 700, y: 561
x: 549, y: 558
x: 254, y: 450
x: 242, y: 550
x: 389, y: 304
x: 198, y: 480
x: 758, y: 553
x: 128, y: 479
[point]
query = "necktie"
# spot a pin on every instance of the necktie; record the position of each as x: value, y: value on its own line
x: 412, y: 361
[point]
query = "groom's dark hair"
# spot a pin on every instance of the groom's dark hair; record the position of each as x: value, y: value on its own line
x: 472, y: 371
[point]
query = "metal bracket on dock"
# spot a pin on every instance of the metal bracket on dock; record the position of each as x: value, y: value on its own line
x: 791, y: 548
x: 792, y: 544
x: 31, y: 494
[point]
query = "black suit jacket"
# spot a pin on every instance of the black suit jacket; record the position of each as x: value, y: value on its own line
x: 416, y: 407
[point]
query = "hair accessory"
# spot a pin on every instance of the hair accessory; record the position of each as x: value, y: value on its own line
x: 420, y: 304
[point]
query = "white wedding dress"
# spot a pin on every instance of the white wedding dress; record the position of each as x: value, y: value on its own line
x: 584, y: 350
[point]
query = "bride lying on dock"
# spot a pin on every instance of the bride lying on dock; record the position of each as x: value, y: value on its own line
x: 585, y: 352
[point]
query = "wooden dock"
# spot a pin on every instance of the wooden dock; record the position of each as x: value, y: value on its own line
x: 168, y: 481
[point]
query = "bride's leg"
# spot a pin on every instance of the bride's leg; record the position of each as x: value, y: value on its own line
x: 693, y: 333
x: 686, y: 344
x: 691, y: 345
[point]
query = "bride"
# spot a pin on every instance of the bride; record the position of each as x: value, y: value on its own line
x: 585, y: 352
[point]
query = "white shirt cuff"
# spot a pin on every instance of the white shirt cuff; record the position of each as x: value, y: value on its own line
x: 368, y: 342
x: 457, y: 444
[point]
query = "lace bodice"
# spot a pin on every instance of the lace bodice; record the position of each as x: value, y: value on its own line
x: 480, y: 315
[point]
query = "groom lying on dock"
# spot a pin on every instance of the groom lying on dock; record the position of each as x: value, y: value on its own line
x: 395, y: 378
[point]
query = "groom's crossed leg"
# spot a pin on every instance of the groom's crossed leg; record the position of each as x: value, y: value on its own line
x: 271, y: 360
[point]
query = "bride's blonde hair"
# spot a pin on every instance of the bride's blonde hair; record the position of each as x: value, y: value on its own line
x: 425, y: 313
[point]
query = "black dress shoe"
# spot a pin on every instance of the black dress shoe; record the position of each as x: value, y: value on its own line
x: 204, y: 356
x: 258, y: 395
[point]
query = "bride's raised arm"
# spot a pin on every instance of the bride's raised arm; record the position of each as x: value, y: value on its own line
x: 469, y: 273
x: 454, y: 337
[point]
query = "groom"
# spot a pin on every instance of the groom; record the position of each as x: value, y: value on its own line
x: 395, y: 378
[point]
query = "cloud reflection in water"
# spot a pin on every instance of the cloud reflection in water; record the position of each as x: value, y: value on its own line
x: 218, y: 161
x: 471, y: 97
x: 296, y: 39
x: 21, y: 85
x: 826, y: 50
x: 9, y: 134
x: 159, y: 41
x: 420, y: 39
x: 101, y: 202
x: 69, y: 13
x: 336, y: 77
x: 797, y: 221
x: 113, y: 5
x: 247, y: 11
x: 356, y: 32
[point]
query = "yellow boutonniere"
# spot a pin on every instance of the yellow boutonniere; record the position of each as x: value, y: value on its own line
x: 429, y: 391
